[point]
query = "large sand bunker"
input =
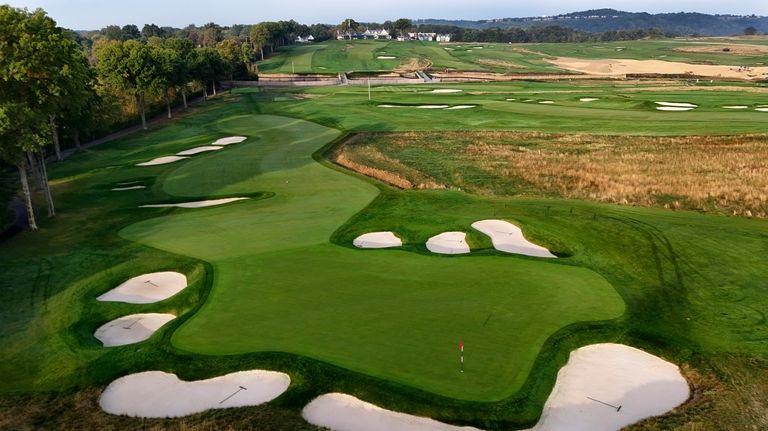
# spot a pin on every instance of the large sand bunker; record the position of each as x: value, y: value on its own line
x: 198, y: 150
x: 377, y: 240
x: 453, y: 108
x: 342, y: 412
x: 625, y: 66
x: 509, y: 238
x: 131, y: 329
x: 605, y: 387
x: 196, y: 204
x: 155, y: 394
x: 229, y: 141
x: 588, y: 99
x: 446, y: 90
x: 673, y: 108
x: 677, y: 104
x: 147, y: 288
x: 449, y: 243
x: 162, y: 161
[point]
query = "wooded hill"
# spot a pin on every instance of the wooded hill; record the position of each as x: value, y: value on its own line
x: 602, y: 20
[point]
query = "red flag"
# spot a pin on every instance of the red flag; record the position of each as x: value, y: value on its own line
x: 461, y: 345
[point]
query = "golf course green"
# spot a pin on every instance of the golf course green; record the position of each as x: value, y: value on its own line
x: 397, y: 315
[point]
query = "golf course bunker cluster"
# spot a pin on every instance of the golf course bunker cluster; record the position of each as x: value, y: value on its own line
x: 449, y: 243
x: 131, y: 329
x: 157, y: 394
x: 147, y: 288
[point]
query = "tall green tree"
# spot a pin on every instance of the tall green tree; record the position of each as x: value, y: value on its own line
x: 181, y: 72
x: 208, y: 67
x: 128, y: 67
x: 403, y: 26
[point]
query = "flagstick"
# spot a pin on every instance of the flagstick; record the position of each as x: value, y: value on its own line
x: 461, y: 348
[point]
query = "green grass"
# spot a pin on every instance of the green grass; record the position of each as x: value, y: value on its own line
x: 623, y: 109
x: 687, y: 286
x: 351, y: 309
x: 664, y: 49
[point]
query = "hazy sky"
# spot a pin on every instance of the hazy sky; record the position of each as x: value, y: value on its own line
x: 94, y: 14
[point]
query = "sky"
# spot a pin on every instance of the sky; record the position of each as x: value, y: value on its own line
x: 95, y: 14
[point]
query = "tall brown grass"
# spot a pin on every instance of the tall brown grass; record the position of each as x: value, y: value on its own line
x: 721, y: 174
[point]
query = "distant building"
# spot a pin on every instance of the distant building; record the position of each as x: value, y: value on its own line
x: 424, y: 37
x: 308, y: 39
x: 377, y: 34
x: 443, y: 37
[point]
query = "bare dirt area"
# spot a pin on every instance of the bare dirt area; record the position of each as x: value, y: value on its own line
x: 725, y: 175
x: 609, y: 67
x: 732, y: 49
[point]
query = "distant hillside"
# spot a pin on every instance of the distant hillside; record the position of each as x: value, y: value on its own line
x: 601, y: 20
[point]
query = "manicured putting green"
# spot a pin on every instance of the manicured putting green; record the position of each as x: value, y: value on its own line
x: 280, y: 285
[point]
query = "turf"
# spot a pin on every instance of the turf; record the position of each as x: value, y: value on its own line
x: 350, y: 308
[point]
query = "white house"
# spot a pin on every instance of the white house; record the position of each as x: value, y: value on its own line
x: 307, y: 39
x: 443, y: 38
x: 377, y: 34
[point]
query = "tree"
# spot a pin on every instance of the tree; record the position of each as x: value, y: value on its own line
x: 260, y: 36
x: 128, y: 67
x: 230, y: 52
x: 29, y: 42
x: 403, y: 26
x: 152, y: 30
x: 211, y: 35
x: 750, y: 31
x: 180, y: 74
x: 208, y: 66
x: 130, y: 32
x: 348, y: 26
x: 112, y: 32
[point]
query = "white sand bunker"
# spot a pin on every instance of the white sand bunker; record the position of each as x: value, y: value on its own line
x: 736, y: 107
x: 509, y: 238
x: 449, y: 243
x: 155, y: 394
x: 198, y: 150
x: 761, y: 109
x: 391, y: 106
x: 547, y: 102
x: 386, y: 57
x: 147, y: 288
x: 342, y: 412
x: 511, y: 100
x: 461, y: 107
x: 122, y: 189
x: 673, y: 108
x: 677, y: 104
x: 605, y: 387
x: 162, y: 161
x: 377, y: 240
x: 197, y: 204
x: 432, y: 106
x: 446, y: 90
x: 229, y: 141
x: 131, y: 329
x: 588, y: 99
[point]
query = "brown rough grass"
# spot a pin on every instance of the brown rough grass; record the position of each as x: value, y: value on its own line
x: 729, y: 49
x: 498, y: 63
x: 704, y: 173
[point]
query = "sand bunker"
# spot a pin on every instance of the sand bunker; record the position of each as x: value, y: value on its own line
x: 391, y: 106
x: 625, y: 66
x: 736, y: 107
x: 509, y: 238
x: 342, y: 412
x: 677, y: 104
x: 605, y: 387
x: 449, y: 243
x: 547, y: 102
x: 155, y: 394
x: 377, y: 240
x: 588, y: 99
x: 432, y: 106
x: 673, y: 108
x: 761, y: 109
x: 131, y: 329
x: 511, y: 100
x: 386, y: 57
x: 198, y: 150
x: 198, y: 204
x: 147, y: 288
x: 122, y: 189
x: 446, y: 90
x: 461, y: 107
x: 229, y: 141
x: 162, y: 161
